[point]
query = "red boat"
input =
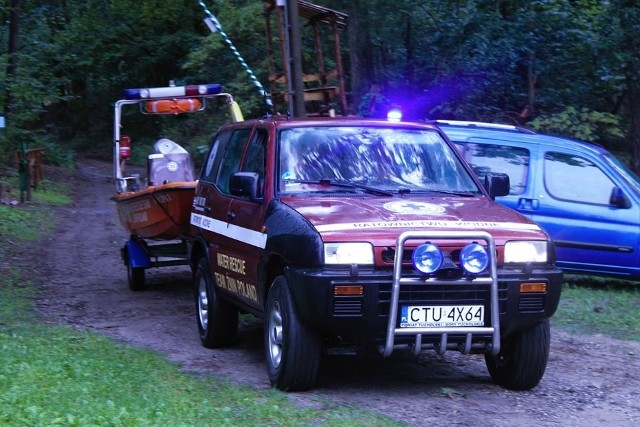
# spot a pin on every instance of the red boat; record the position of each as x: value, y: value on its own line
x: 158, y: 212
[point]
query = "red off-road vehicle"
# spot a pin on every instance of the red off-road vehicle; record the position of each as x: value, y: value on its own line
x: 345, y: 233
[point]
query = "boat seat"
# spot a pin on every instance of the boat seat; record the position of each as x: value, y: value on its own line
x: 129, y: 183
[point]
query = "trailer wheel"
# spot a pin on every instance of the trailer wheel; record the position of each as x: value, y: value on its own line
x: 293, y: 350
x: 522, y: 360
x: 217, y: 319
x: 135, y: 277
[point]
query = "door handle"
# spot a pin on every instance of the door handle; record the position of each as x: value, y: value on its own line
x: 528, y: 204
x: 231, y: 216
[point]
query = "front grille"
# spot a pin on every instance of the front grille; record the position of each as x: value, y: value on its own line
x: 448, y: 294
x: 531, y: 303
x: 347, y: 306
x: 455, y: 293
x: 502, y: 297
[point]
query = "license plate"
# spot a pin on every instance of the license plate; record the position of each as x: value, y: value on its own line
x: 441, y: 316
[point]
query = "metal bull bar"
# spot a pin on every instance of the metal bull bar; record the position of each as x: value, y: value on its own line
x: 398, y: 281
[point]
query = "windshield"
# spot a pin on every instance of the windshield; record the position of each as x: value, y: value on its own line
x: 388, y: 159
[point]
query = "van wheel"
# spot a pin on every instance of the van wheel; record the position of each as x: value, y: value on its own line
x: 522, y: 360
x: 135, y: 276
x: 293, y: 350
x: 217, y: 319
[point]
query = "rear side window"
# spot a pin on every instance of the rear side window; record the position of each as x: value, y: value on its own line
x: 485, y: 158
x: 576, y: 179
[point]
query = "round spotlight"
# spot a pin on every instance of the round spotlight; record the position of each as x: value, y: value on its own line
x: 474, y: 258
x: 427, y: 258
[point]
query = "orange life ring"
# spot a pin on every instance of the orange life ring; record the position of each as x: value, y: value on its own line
x: 173, y: 106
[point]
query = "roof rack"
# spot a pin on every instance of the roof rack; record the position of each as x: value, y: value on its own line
x: 482, y: 125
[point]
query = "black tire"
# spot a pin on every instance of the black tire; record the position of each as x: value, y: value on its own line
x: 135, y: 277
x: 217, y: 319
x: 523, y: 358
x: 293, y: 351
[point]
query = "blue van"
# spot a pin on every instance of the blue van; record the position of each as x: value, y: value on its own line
x: 585, y: 198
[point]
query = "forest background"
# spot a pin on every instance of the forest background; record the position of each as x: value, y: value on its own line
x: 566, y: 67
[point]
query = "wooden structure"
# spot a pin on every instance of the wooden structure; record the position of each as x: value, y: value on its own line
x: 33, y: 165
x: 324, y: 85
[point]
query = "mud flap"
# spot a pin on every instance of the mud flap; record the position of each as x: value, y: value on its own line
x: 137, y: 256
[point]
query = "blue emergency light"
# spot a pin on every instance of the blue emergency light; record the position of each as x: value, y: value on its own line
x: 428, y: 258
x: 173, y: 91
x: 394, y: 115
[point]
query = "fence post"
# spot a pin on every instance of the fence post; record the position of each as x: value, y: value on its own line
x: 23, y: 169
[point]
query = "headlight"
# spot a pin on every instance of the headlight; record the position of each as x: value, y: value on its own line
x: 525, y: 251
x: 348, y: 253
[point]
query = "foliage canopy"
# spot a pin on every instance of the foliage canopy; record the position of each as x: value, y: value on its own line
x: 509, y: 61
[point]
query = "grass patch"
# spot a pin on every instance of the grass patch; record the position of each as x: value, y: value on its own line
x: 16, y: 304
x: 608, y: 309
x: 52, y: 193
x: 20, y: 225
x: 29, y: 221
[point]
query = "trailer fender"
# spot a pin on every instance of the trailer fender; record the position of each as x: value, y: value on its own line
x: 137, y: 257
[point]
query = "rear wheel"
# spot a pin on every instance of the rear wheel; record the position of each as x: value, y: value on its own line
x: 217, y: 319
x: 523, y: 357
x: 293, y: 350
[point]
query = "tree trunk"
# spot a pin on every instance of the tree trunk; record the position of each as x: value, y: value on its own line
x: 12, y: 63
x: 361, y: 63
x: 531, y: 85
x: 408, y: 45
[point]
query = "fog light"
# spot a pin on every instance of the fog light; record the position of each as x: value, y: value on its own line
x: 474, y: 258
x: 427, y: 258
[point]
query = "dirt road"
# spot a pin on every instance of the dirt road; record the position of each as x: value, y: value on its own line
x: 590, y: 380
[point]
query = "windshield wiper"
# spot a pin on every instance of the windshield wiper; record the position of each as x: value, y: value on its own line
x: 455, y: 193
x: 344, y: 184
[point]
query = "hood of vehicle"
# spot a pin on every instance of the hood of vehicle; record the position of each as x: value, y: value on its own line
x: 336, y: 218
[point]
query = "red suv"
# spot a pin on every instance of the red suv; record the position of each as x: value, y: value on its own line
x: 347, y: 233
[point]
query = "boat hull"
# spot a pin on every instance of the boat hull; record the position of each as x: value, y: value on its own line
x: 157, y: 212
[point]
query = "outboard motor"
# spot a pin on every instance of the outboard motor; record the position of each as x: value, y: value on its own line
x: 169, y: 163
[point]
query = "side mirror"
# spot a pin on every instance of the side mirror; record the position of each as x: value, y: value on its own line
x: 496, y: 184
x: 618, y: 199
x: 244, y: 184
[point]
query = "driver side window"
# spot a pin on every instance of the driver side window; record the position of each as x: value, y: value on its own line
x: 255, y: 161
x: 231, y: 159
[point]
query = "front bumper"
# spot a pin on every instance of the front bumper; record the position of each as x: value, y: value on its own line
x: 372, y: 316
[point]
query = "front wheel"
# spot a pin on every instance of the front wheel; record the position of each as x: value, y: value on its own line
x: 217, y: 319
x: 523, y: 357
x: 293, y: 350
